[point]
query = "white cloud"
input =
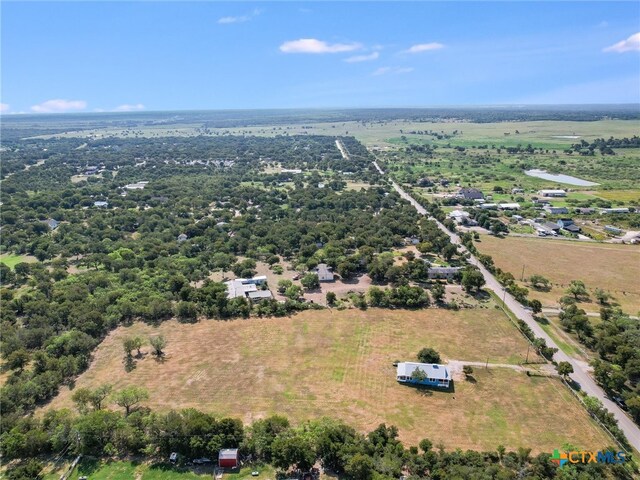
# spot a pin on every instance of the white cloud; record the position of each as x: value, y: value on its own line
x: 313, y: 45
x: 424, y: 47
x: 392, y: 70
x: 227, y: 20
x: 4, y: 107
x: 240, y: 18
x: 631, y: 44
x: 362, y: 58
x: 129, y: 107
x: 603, y: 24
x: 59, y: 106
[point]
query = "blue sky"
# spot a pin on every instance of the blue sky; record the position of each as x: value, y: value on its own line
x: 93, y: 56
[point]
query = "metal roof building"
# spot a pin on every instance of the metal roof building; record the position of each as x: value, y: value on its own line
x: 324, y: 273
x: 435, y: 374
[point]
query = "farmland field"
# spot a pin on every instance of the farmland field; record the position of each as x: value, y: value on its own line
x: 611, y: 267
x: 339, y: 364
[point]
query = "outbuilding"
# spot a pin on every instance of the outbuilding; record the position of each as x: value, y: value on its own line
x: 552, y: 193
x: 228, y: 458
x: 324, y: 273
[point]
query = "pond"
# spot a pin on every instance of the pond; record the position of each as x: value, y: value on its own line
x: 559, y: 177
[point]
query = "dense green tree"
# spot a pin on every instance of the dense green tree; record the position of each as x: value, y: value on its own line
x: 129, y: 397
x: 428, y: 355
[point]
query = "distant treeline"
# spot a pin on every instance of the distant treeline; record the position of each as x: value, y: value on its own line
x: 19, y: 125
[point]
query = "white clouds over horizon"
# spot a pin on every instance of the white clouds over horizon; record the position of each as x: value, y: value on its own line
x: 59, y: 106
x: 129, y: 107
x: 362, y: 58
x: 315, y: 46
x: 631, y: 44
x: 424, y: 47
x: 239, y: 19
x: 391, y: 70
x: 4, y: 107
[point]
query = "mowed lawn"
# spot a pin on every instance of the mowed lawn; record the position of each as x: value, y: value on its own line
x: 611, y: 267
x: 131, y: 469
x: 339, y: 364
x: 11, y: 260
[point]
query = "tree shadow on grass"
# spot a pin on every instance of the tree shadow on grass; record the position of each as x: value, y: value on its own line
x: 88, y: 466
x: 541, y: 320
x: 129, y: 363
x: 162, y: 358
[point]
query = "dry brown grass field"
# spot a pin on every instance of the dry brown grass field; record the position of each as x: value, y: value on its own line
x: 611, y: 267
x: 339, y: 364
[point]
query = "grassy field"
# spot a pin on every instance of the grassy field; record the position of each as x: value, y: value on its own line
x: 620, y: 195
x: 130, y: 470
x: 381, y: 134
x: 11, y: 260
x: 339, y: 364
x: 611, y: 267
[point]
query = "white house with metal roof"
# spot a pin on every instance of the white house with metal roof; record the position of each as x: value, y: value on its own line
x: 431, y: 374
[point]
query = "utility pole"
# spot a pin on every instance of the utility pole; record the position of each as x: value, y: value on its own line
x: 522, y: 276
x: 486, y: 365
x: 528, y: 347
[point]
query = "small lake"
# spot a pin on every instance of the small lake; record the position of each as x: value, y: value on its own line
x: 560, y: 178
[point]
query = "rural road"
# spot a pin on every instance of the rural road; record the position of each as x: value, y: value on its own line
x: 581, y: 373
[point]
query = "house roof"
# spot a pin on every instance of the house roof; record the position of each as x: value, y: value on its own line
x: 237, y: 288
x: 444, y: 269
x: 467, y: 192
x: 572, y: 228
x: 458, y: 213
x: 228, y: 454
x: 324, y: 271
x: 260, y: 294
x: 551, y: 226
x: 432, y: 370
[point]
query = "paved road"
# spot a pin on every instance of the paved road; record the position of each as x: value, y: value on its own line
x: 581, y: 370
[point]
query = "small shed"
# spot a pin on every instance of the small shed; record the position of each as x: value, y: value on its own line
x: 228, y: 458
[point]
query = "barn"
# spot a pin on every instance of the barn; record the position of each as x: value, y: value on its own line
x: 228, y: 458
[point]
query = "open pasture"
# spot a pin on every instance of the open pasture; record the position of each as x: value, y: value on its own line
x: 611, y: 267
x: 339, y: 364
x: 547, y: 134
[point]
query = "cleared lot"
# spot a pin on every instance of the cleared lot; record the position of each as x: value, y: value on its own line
x: 339, y: 364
